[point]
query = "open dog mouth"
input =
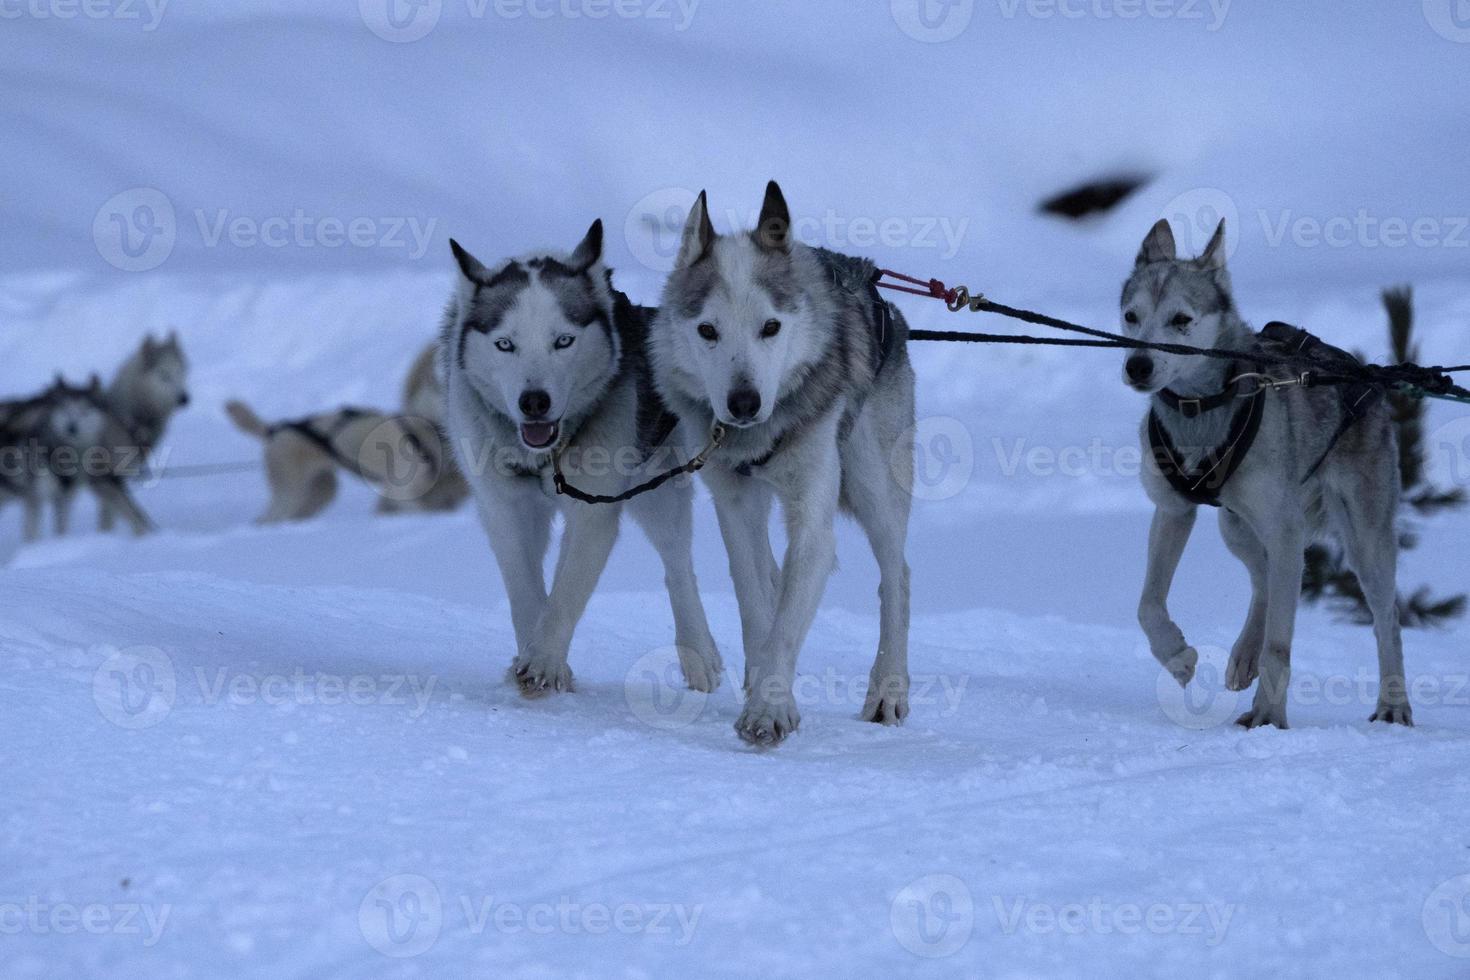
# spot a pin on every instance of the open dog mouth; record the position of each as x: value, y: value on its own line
x: 539, y: 435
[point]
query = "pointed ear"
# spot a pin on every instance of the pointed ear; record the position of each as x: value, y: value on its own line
x: 773, y: 233
x: 470, y: 267
x: 589, y: 252
x: 1159, y: 245
x: 60, y: 382
x: 95, y: 382
x: 173, y: 338
x: 699, y: 234
x: 1214, y: 256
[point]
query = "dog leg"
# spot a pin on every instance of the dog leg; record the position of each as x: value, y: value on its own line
x: 1166, y: 540
x: 1371, y: 541
x: 32, y: 529
x: 881, y: 505
x: 115, y: 493
x: 106, y: 517
x: 1284, y: 564
x: 1245, y: 656
x: 61, y: 518
x: 518, y: 525
x: 809, y: 485
x: 743, y: 507
x: 591, y: 530
x: 667, y: 517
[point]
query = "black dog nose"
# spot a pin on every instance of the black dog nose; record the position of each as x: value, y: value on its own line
x: 744, y: 404
x: 183, y: 399
x: 1139, y: 368
x: 535, y: 404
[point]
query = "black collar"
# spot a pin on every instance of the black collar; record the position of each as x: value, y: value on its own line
x: 1202, y: 485
x: 1193, y: 408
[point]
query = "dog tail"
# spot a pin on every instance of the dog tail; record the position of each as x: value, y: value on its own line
x: 247, y: 420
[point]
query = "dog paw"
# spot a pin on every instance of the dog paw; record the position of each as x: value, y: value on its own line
x: 1394, y: 714
x: 538, y: 675
x: 1260, y: 717
x: 767, y: 725
x: 1182, y: 665
x: 887, y: 702
x: 703, y: 669
x: 1240, y: 672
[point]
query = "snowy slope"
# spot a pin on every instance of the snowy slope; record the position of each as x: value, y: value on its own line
x: 289, y: 752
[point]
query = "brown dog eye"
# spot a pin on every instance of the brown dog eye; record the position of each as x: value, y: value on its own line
x: 1130, y: 317
x: 1182, y: 320
x: 771, y: 328
x: 708, y: 332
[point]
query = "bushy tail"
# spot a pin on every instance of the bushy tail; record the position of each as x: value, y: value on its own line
x: 247, y: 420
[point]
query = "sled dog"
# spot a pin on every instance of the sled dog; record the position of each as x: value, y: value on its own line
x: 544, y: 360
x: 1281, y: 465
x: 790, y: 353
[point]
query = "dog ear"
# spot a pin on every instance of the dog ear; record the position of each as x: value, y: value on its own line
x: 773, y: 232
x: 589, y: 252
x: 1214, y: 255
x: 1159, y: 245
x: 470, y: 267
x: 699, y: 234
x: 94, y: 383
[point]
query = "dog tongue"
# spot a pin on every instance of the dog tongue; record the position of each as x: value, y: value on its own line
x: 538, y: 435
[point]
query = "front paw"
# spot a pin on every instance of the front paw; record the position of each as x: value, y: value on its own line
x: 1394, y: 714
x: 703, y: 669
x: 1244, y: 665
x: 1260, y: 717
x: 539, y: 674
x: 887, y: 702
x: 766, y: 724
x: 1182, y: 665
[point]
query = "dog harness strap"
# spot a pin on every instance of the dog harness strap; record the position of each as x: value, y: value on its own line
x: 1203, y: 484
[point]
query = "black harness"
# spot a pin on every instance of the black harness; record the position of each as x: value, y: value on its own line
x: 1203, y: 483
x: 326, y: 440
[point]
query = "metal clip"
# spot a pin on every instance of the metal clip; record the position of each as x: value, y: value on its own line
x: 1265, y: 381
x: 716, y: 436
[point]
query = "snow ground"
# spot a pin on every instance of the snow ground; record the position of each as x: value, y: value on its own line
x: 289, y: 752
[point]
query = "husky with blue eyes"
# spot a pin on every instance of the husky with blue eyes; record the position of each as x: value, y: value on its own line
x: 543, y: 363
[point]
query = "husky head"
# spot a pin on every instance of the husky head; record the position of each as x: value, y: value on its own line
x: 536, y: 338
x: 156, y: 376
x: 74, y: 415
x: 1178, y: 301
x: 736, y: 327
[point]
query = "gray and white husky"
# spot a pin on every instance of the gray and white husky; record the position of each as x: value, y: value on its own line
x: 542, y: 358
x: 1310, y: 468
x: 788, y: 350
